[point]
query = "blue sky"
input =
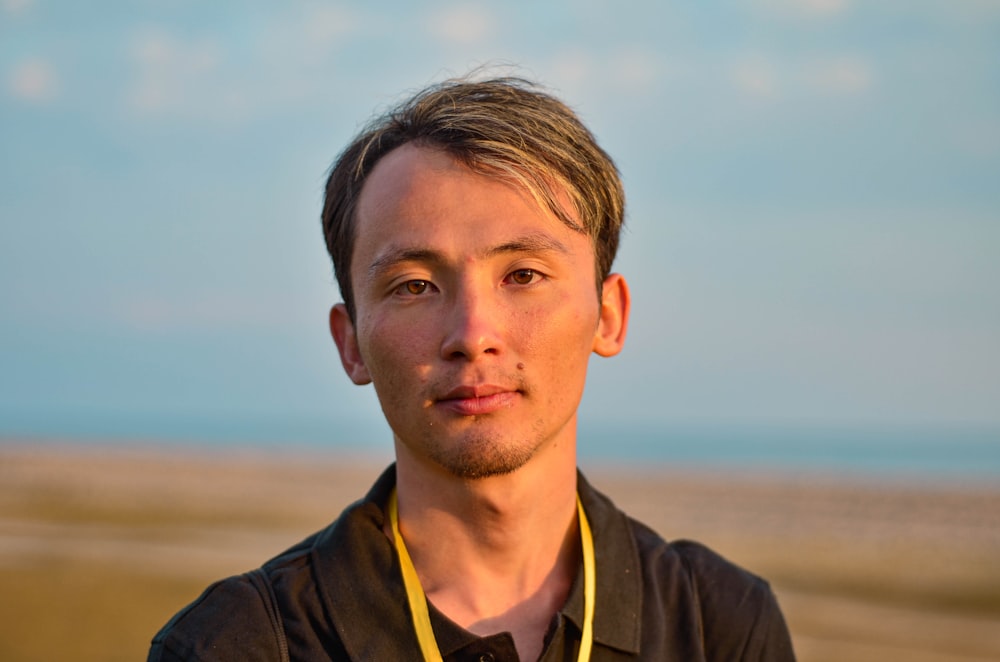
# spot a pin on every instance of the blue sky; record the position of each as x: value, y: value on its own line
x: 813, y: 224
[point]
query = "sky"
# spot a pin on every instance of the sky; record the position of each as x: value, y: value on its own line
x: 813, y: 223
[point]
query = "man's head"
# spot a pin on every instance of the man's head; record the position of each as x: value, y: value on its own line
x: 504, y: 128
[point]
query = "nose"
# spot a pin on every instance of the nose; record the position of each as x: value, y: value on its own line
x: 473, y: 325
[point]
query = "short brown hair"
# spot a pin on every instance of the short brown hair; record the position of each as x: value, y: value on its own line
x: 503, y: 127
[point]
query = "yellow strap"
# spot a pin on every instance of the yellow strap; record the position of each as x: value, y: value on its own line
x: 589, y: 583
x: 418, y: 601
x: 414, y: 592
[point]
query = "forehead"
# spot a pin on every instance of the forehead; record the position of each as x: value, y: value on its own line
x: 416, y: 189
x: 408, y: 176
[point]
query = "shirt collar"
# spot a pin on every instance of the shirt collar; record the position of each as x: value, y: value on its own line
x: 354, y: 568
x: 618, y: 612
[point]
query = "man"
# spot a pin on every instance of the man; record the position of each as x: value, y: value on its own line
x: 472, y: 231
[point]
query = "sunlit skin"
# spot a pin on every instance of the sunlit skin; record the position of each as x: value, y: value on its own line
x: 476, y: 315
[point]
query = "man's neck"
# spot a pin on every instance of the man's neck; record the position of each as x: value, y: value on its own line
x: 493, y: 554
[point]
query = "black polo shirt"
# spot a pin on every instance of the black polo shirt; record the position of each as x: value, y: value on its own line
x: 339, y: 595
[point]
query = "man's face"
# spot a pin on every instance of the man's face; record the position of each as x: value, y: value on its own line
x: 476, y: 314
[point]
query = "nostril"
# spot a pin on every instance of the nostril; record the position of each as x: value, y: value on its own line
x: 469, y: 354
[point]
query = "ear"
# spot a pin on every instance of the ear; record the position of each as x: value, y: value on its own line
x: 615, y: 301
x: 342, y: 330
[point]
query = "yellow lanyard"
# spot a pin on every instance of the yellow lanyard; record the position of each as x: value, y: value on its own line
x: 418, y: 601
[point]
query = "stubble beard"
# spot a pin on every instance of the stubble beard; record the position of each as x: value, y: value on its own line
x: 484, y: 452
x: 483, y: 456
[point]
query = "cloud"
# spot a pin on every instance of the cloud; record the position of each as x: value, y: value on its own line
x: 632, y: 69
x: 310, y: 36
x: 635, y: 68
x: 15, y: 6
x: 808, y: 9
x: 571, y: 67
x: 463, y: 25
x: 205, y: 312
x: 841, y: 76
x: 325, y: 24
x: 764, y: 78
x: 275, y: 65
x: 171, y: 73
x: 756, y: 77
x: 977, y: 138
x: 34, y: 81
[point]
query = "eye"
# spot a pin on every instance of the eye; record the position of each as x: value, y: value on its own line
x: 414, y: 287
x: 523, y: 276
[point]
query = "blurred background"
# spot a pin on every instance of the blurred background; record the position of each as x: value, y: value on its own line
x: 812, y: 238
x: 813, y: 245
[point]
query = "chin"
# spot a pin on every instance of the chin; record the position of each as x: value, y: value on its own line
x: 483, y: 459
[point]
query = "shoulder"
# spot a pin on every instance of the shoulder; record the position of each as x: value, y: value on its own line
x: 254, y: 616
x: 735, y: 610
x: 229, y: 621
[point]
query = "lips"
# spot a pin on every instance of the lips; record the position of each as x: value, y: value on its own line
x: 478, y: 400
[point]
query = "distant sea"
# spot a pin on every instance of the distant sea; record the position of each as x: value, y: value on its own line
x: 945, y: 453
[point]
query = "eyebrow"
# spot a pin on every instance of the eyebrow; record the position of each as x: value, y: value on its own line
x: 391, y: 258
x: 529, y: 243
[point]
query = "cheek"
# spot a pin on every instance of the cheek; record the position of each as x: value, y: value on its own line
x: 562, y: 340
x: 396, y: 354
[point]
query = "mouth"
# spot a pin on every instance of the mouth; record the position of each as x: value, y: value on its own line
x: 478, y: 400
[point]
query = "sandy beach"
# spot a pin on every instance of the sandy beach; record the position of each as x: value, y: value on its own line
x: 100, y: 545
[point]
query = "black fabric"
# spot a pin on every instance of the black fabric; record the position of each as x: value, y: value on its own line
x: 262, y: 583
x: 339, y: 595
